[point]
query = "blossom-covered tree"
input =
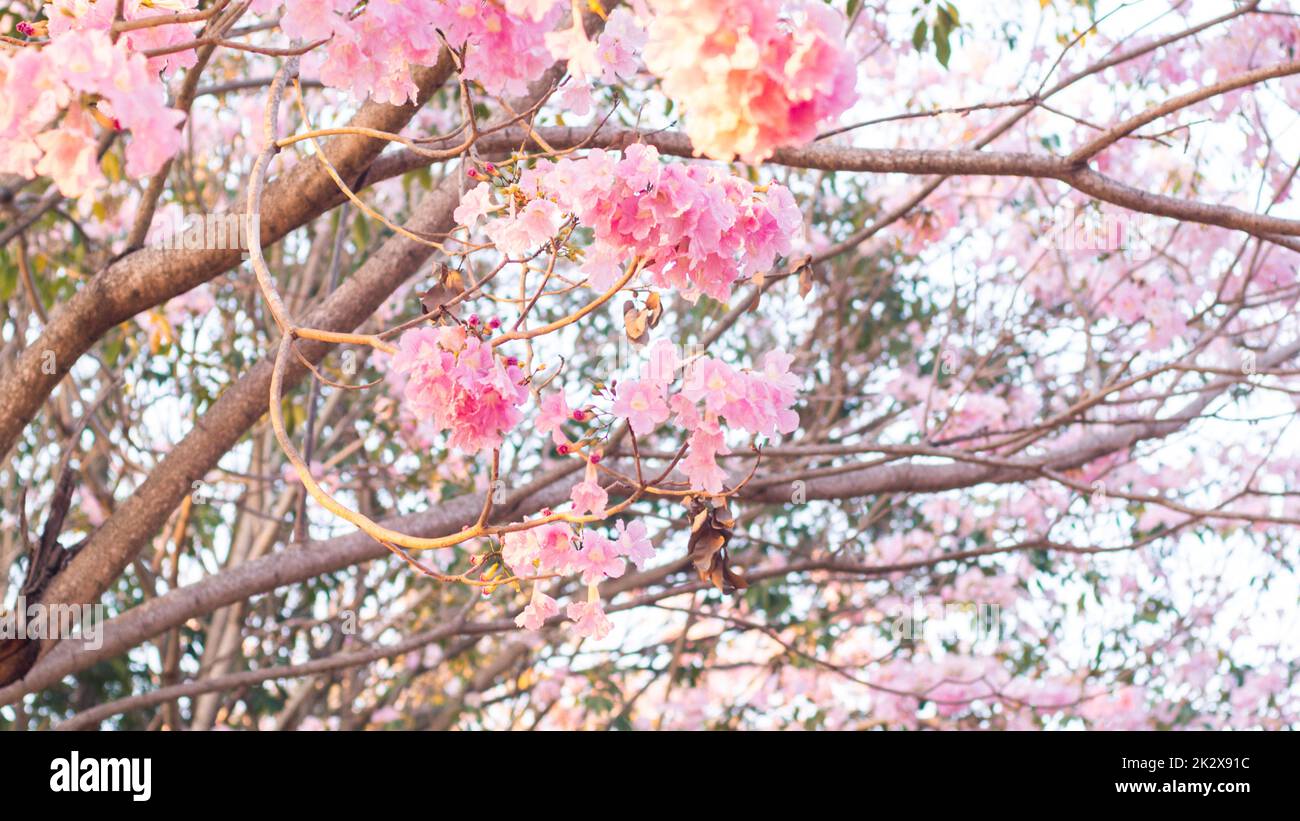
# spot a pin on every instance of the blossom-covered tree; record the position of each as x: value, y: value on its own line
x: 660, y: 364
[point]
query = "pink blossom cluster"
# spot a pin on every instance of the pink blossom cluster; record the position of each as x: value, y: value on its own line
x: 76, y: 15
x: 370, y: 53
x: 506, y: 51
x: 611, y: 56
x: 524, y: 229
x: 698, y: 229
x: 753, y: 75
x: 456, y: 381
x: 554, y: 547
x: 759, y: 402
x: 516, y: 232
x: 1133, y: 300
x: 85, y: 77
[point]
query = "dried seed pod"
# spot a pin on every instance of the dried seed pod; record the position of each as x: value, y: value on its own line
x: 712, y: 527
x: 635, y: 322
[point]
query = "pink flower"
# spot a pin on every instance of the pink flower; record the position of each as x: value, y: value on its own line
x: 540, y: 608
x: 776, y: 369
x: 761, y: 403
x: 598, y: 559
x: 609, y: 56
x: 575, y: 97
x: 687, y: 415
x: 78, y: 15
x: 642, y: 404
x: 753, y: 75
x: 371, y: 52
x: 534, y: 225
x: 548, y: 548
x: 87, y: 60
x: 590, y: 618
x: 530, y: 9
x: 618, y: 45
x: 81, y: 60
x: 69, y: 159
x: 557, y: 552
x: 539, y: 221
x: 475, y: 204
x: 506, y: 51
x: 1127, y: 302
x: 459, y: 384
x: 313, y: 21
x: 553, y: 414
x: 700, y: 465
x: 519, y: 549
x: 714, y: 382
x: 603, y: 267
x: 633, y: 543
x: 572, y: 44
x: 19, y: 157
x: 589, y: 497
x: 697, y: 229
x: 153, y: 140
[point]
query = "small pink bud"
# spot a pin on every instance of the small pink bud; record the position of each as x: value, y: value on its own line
x: 563, y: 450
x: 473, y: 320
x: 595, y: 458
x: 494, y: 323
x: 512, y: 361
x: 472, y: 174
x: 546, y: 511
x: 580, y: 415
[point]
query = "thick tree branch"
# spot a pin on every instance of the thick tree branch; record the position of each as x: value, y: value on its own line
x: 824, y: 157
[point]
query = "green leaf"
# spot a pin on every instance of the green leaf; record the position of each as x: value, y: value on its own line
x: 942, y: 49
